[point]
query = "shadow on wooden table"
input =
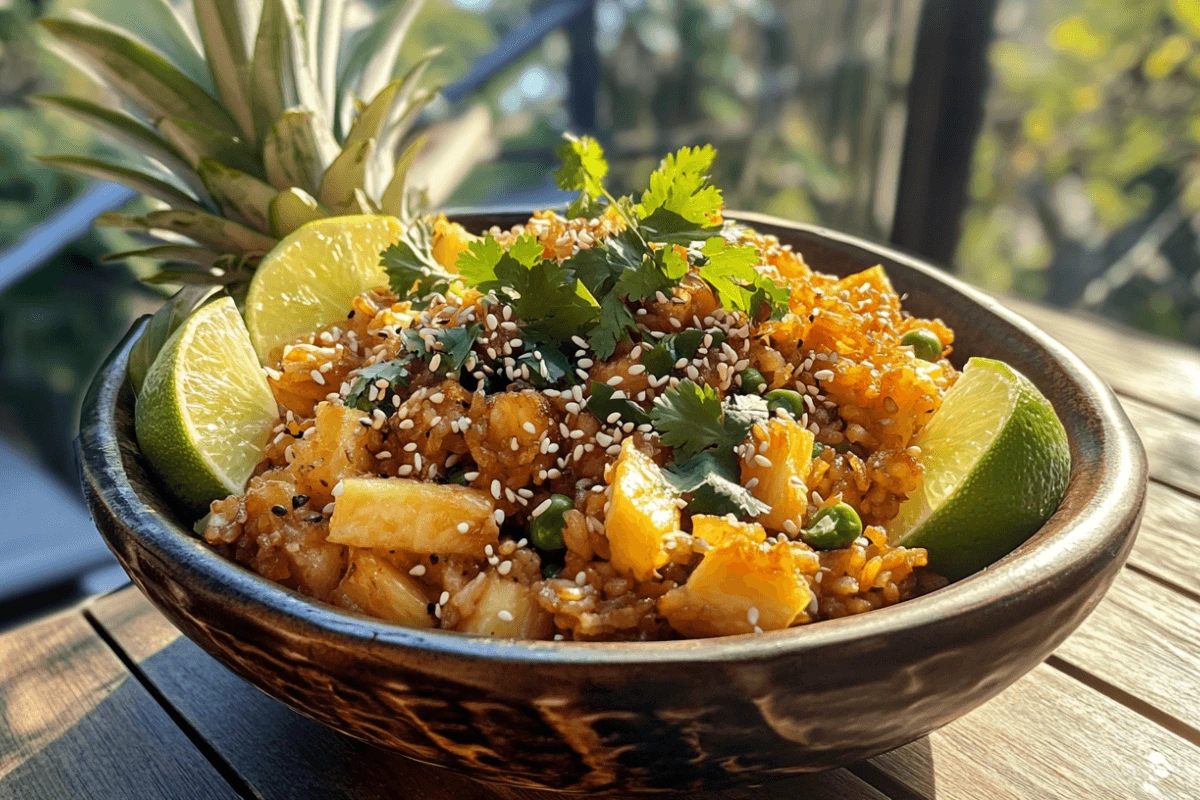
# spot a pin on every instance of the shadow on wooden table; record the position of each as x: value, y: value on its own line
x: 267, y: 750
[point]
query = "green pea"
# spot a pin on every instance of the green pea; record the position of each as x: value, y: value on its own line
x: 818, y: 448
x: 833, y: 527
x: 753, y: 381
x: 789, y: 401
x: 925, y: 344
x: 545, y: 530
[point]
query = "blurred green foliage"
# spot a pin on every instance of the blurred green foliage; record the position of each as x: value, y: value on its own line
x: 1086, y: 182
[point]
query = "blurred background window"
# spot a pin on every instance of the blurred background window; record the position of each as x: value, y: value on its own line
x: 1050, y: 149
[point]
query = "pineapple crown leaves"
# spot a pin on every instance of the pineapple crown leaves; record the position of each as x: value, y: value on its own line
x: 278, y: 136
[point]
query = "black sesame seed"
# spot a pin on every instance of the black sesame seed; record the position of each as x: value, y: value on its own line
x: 316, y: 518
x: 278, y: 511
x: 299, y: 500
x: 433, y: 559
x: 351, y: 314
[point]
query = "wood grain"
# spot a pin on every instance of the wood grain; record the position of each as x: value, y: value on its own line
x: 75, y: 724
x: 281, y: 754
x: 1168, y: 544
x: 1154, y: 370
x: 1048, y: 736
x: 1145, y: 640
x: 1172, y: 444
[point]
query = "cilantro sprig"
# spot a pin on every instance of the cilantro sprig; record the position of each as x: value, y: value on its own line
x: 690, y: 418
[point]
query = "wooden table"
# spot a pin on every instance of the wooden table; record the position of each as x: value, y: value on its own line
x: 110, y: 701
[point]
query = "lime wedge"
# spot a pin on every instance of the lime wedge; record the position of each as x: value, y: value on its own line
x: 310, y: 278
x: 996, y: 467
x: 205, y: 409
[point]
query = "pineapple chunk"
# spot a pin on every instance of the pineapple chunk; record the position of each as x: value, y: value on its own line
x: 335, y: 452
x: 641, y: 513
x: 504, y: 607
x: 375, y: 587
x: 413, y: 516
x: 781, y: 485
x: 738, y: 584
x: 450, y: 240
x: 718, y: 530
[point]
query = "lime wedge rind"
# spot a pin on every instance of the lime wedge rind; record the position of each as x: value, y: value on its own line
x: 997, y: 463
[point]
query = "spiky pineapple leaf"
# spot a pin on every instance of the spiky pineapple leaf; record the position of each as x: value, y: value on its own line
x: 168, y: 252
x: 328, y: 49
x: 135, y: 179
x: 196, y: 142
x: 409, y: 101
x: 216, y: 233
x: 139, y: 73
x: 345, y: 175
x: 374, y: 115
x: 291, y: 208
x: 223, y: 25
x: 238, y: 194
x: 268, y: 65
x: 124, y: 128
x: 373, y: 62
x: 159, y: 328
x: 290, y: 153
x: 393, y: 200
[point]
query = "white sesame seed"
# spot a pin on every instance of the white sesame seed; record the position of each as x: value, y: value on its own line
x: 444, y: 598
x: 418, y: 570
x: 337, y: 490
x: 505, y: 615
x: 528, y: 426
x: 328, y: 509
x: 318, y: 377
x: 505, y: 567
x: 498, y: 515
x: 762, y: 460
x: 752, y: 615
x: 580, y: 578
x: 436, y: 397
x: 637, y: 369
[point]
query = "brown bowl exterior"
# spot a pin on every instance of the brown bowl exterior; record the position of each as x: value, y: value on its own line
x: 685, y: 715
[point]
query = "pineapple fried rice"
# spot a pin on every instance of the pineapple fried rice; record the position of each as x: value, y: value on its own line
x: 679, y: 486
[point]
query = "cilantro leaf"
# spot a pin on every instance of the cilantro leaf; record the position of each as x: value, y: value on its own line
x: 615, y: 324
x: 689, y: 418
x: 456, y: 344
x: 394, y: 372
x: 659, y: 359
x: 675, y: 263
x: 583, y: 166
x: 643, y: 281
x: 714, y: 482
x: 601, y: 403
x: 412, y: 270
x: 547, y: 297
x: 743, y: 412
x: 600, y: 267
x: 527, y: 250
x: 680, y: 185
x: 548, y: 370
x: 477, y: 264
x: 731, y: 271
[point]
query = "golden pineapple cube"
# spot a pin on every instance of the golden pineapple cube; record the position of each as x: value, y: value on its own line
x: 337, y: 450
x: 450, y: 240
x: 740, y: 584
x: 717, y: 530
x: 780, y: 470
x: 505, y: 607
x: 413, y: 516
x: 375, y: 587
x: 641, y: 513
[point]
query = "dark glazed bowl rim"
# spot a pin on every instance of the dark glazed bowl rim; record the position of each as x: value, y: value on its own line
x: 1099, y: 530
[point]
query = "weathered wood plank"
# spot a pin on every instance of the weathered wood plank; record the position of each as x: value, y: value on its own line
x: 1144, y: 638
x: 75, y: 724
x: 1152, y: 369
x: 1172, y: 444
x: 1168, y: 545
x: 1048, y: 736
x: 280, y: 754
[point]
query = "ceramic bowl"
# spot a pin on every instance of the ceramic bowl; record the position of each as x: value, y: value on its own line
x: 683, y: 715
